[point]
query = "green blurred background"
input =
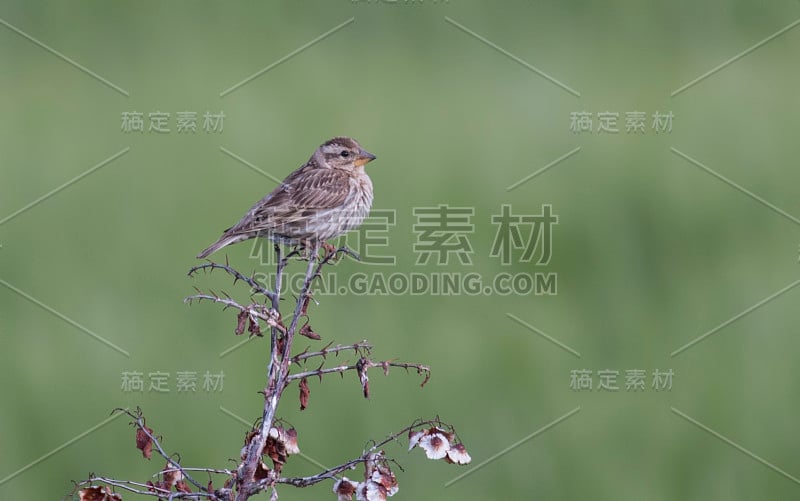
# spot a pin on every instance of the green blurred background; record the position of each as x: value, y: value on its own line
x: 650, y: 251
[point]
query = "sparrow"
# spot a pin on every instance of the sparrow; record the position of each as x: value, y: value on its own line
x: 324, y: 198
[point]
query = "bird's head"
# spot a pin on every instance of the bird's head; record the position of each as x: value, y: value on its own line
x: 342, y: 153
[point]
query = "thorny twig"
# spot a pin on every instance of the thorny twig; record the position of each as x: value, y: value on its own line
x: 363, y: 364
x: 253, y: 311
x: 138, y: 422
x: 331, y: 473
x: 136, y: 488
x: 211, y: 266
x: 362, y: 347
x: 173, y: 468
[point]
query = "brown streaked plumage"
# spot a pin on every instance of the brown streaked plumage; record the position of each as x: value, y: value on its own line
x: 326, y: 197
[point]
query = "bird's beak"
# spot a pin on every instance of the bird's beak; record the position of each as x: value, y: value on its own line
x: 364, y: 157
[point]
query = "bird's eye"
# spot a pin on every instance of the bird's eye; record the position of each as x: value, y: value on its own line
x: 345, y: 153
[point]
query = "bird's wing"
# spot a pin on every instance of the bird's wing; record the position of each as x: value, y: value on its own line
x: 306, y: 189
x: 313, y: 189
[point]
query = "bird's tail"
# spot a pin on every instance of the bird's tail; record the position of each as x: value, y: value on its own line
x: 222, y: 242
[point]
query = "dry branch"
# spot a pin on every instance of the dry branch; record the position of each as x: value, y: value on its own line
x: 268, y: 440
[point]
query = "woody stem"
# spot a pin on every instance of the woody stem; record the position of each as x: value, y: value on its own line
x: 277, y: 375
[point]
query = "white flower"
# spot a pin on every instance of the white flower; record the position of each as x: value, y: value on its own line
x: 414, y: 437
x: 458, y: 454
x: 435, y: 445
x: 290, y: 441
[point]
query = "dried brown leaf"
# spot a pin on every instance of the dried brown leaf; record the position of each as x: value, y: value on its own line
x: 304, y: 393
x: 182, y: 486
x: 143, y: 442
x: 253, y: 328
x: 308, y: 332
x: 241, y: 322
